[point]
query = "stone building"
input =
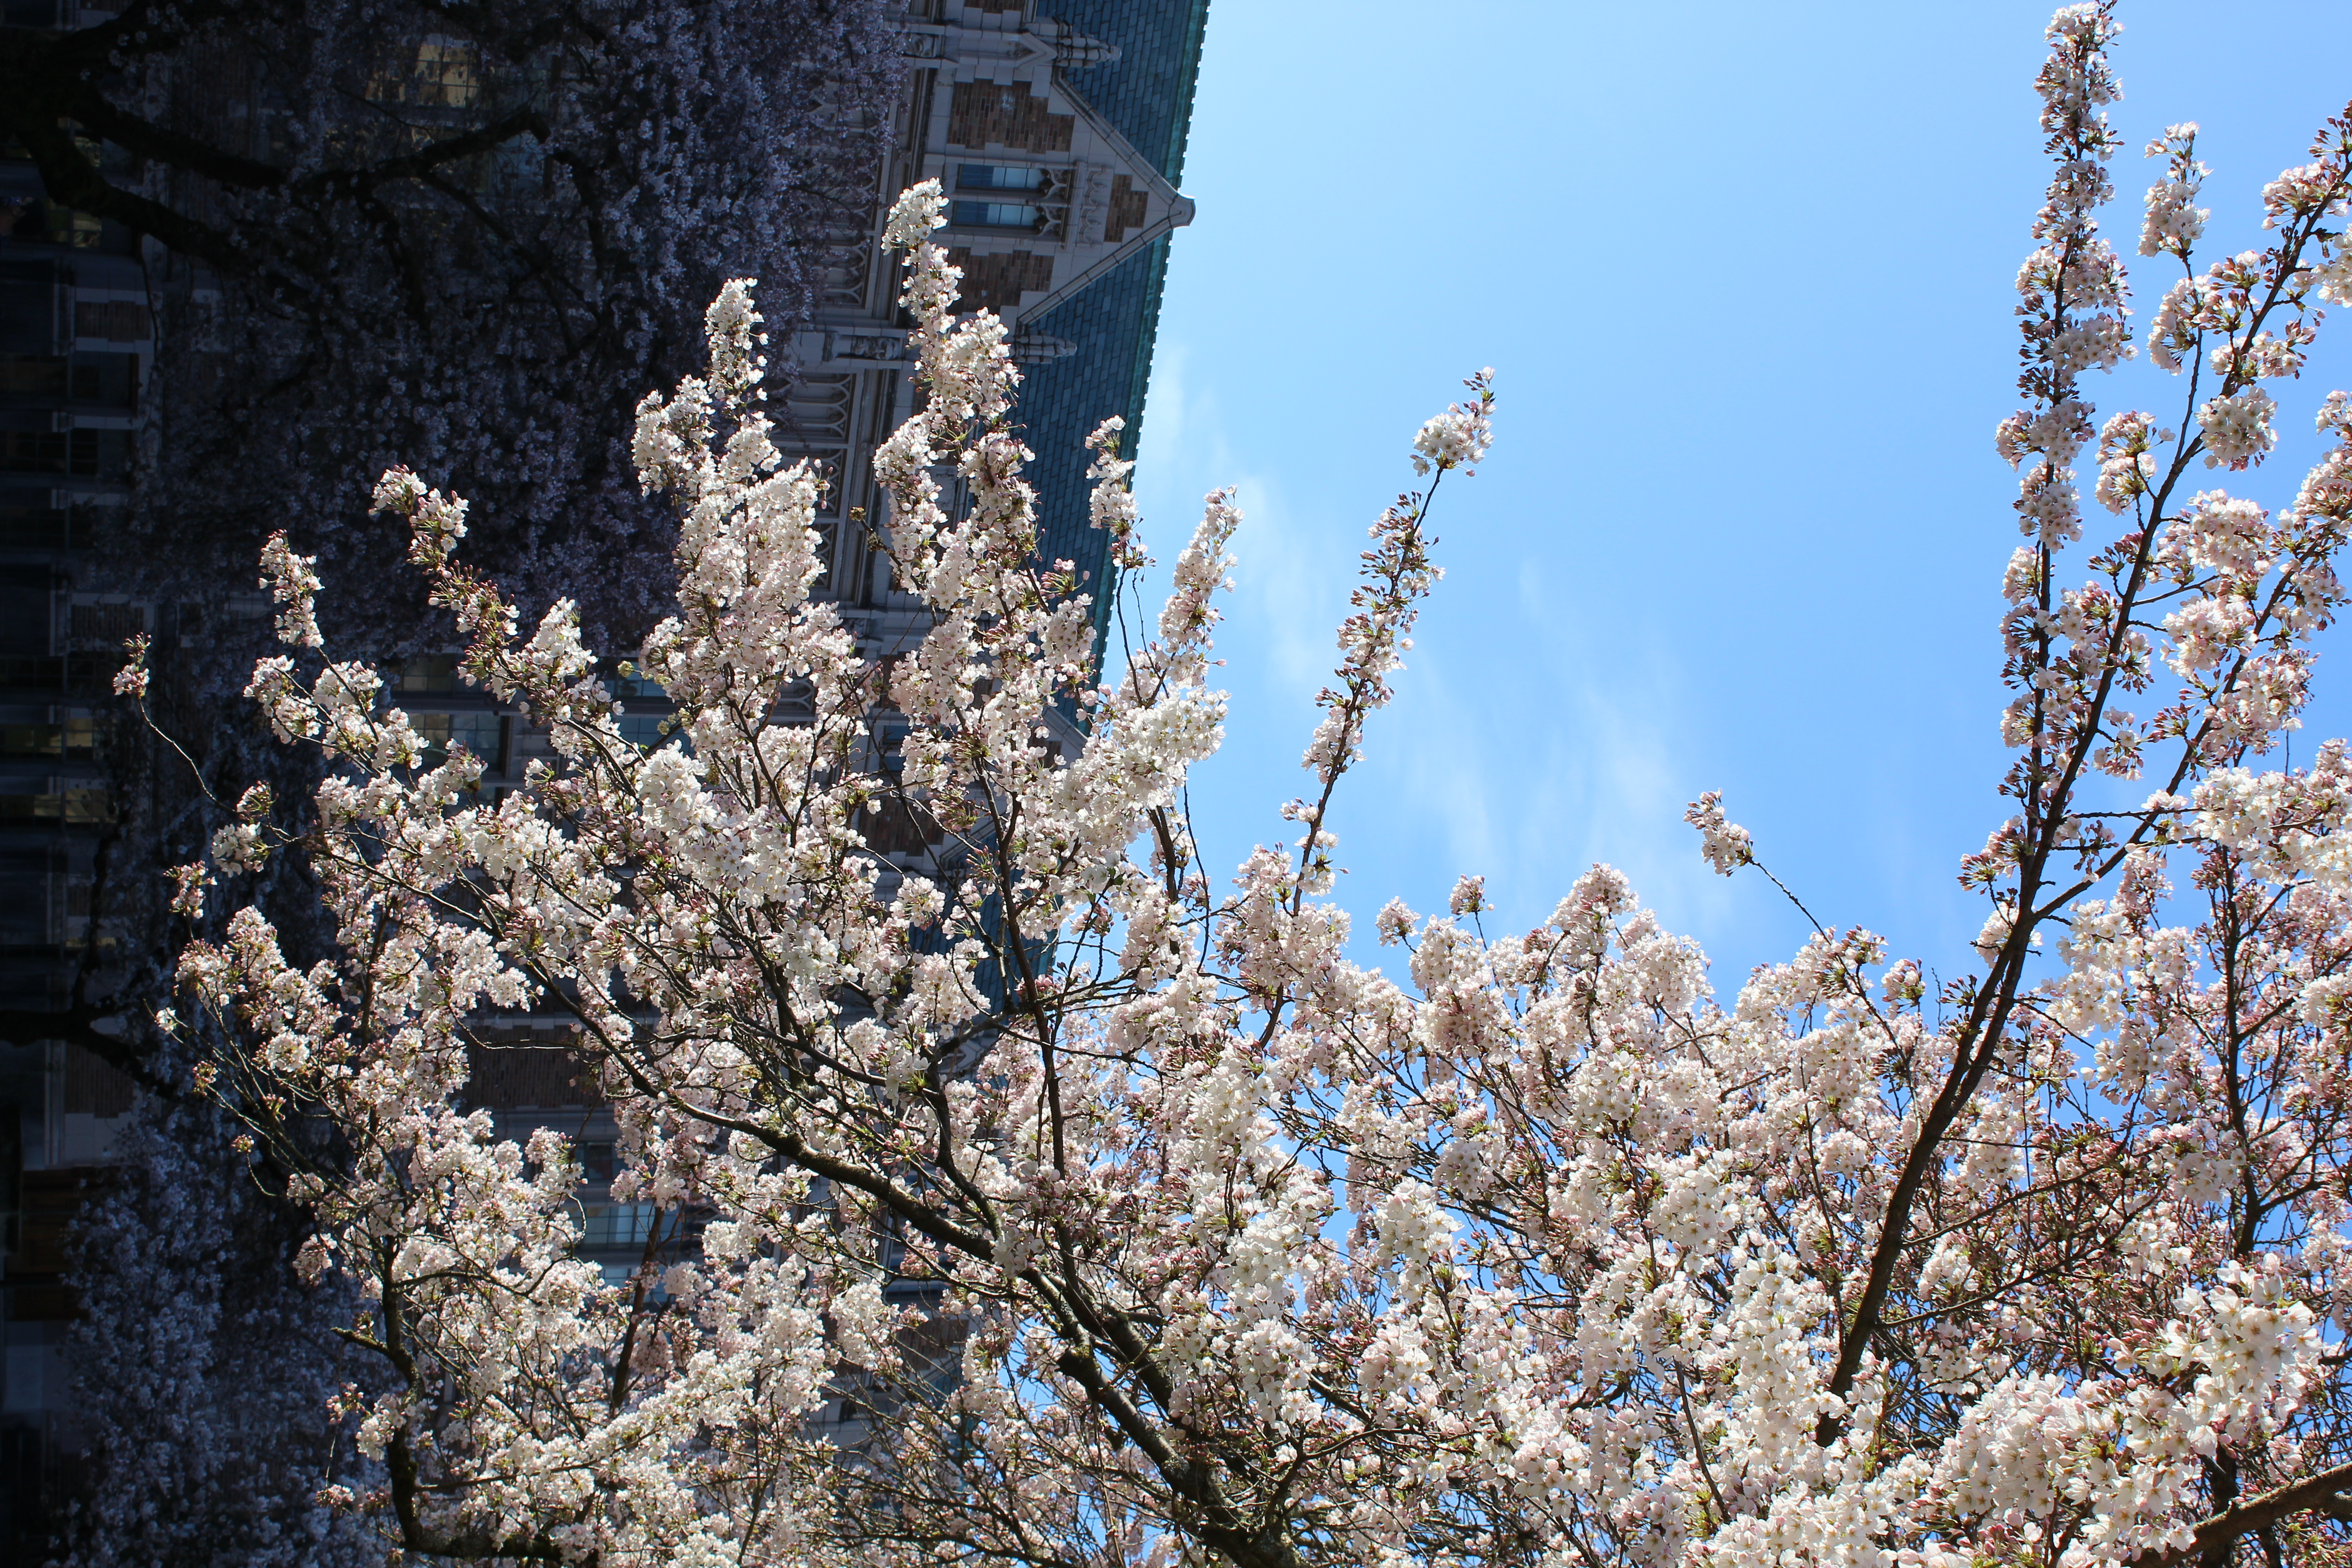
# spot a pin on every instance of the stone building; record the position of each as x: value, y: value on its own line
x: 1059, y: 137
x: 76, y: 348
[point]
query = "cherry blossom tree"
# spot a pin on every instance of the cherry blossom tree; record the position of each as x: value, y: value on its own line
x: 1047, y: 1197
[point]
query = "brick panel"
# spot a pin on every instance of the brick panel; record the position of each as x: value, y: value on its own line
x: 525, y: 1076
x: 1128, y: 207
x: 893, y: 826
x: 93, y: 1087
x: 997, y: 282
x: 982, y: 114
x: 106, y: 623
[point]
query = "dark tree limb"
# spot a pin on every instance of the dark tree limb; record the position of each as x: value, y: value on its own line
x: 2325, y: 1493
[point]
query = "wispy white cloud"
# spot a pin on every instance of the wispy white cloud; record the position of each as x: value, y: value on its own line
x: 1520, y: 747
x: 1287, y: 593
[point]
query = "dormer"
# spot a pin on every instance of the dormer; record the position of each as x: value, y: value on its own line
x: 1043, y: 193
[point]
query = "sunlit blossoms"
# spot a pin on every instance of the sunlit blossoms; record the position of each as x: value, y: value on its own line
x: 2237, y: 427
x: 1045, y: 1195
x: 1458, y: 438
x: 1726, y: 844
x: 2174, y: 221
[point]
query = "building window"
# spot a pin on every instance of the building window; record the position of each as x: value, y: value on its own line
x: 637, y: 685
x: 615, y: 1225
x: 102, y: 454
x: 999, y: 177
x: 78, y: 230
x: 79, y: 807
x: 32, y: 452
x: 432, y: 672
x: 92, y: 454
x: 111, y: 379
x: 447, y: 74
x: 646, y: 731
x: 996, y: 215
x: 73, y: 740
x: 32, y: 375
x: 598, y: 1160
x: 483, y: 734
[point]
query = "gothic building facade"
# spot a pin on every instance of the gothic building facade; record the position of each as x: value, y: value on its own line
x: 1059, y: 144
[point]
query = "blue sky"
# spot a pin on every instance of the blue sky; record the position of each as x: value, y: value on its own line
x: 1745, y: 272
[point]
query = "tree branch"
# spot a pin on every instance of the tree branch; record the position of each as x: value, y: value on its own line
x: 2324, y: 1491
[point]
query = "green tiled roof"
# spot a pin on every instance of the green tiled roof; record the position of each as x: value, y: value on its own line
x: 1147, y: 95
x: 1147, y: 92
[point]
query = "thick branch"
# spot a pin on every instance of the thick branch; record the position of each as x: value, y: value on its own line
x: 2325, y: 1491
x: 445, y: 150
x: 71, y: 179
x: 78, y: 1026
